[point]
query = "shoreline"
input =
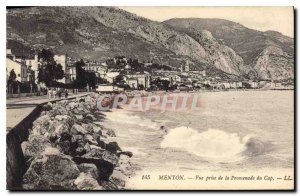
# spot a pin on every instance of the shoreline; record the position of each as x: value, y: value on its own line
x: 70, y: 134
x: 151, y: 93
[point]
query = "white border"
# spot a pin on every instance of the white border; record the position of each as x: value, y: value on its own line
x: 111, y: 3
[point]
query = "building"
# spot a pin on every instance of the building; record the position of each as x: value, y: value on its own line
x: 186, y: 67
x: 253, y: 84
x: 71, y: 74
x: 110, y: 76
x: 135, y: 80
x: 108, y: 88
x: 181, y: 78
x: 34, y: 65
x: 19, y: 68
x: 10, y: 55
x: 62, y: 60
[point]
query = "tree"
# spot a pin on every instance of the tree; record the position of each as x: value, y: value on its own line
x: 161, y: 84
x: 80, y: 74
x: 11, y: 79
x: 12, y: 75
x: 84, y: 77
x: 50, y: 71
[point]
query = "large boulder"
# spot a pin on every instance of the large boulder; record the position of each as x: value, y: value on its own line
x: 89, y: 168
x: 35, y: 146
x: 77, y: 129
x: 72, y: 105
x: 118, y: 178
x: 124, y: 165
x: 101, y: 154
x: 90, y: 117
x: 52, y: 171
x: 113, y: 147
x: 88, y: 138
x: 40, y: 125
x: 104, y: 160
x: 87, y: 182
x: 88, y: 128
x: 57, y: 110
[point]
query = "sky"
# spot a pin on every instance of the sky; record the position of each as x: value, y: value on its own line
x: 279, y: 19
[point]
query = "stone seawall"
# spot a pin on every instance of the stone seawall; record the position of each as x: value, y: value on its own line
x: 64, y: 146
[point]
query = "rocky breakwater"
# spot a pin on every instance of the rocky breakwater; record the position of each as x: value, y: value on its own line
x: 69, y: 149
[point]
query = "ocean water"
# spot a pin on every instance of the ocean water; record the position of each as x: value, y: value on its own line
x: 232, y: 131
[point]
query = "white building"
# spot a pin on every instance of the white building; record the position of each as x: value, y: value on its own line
x: 19, y: 68
x: 137, y: 79
x: 61, y: 59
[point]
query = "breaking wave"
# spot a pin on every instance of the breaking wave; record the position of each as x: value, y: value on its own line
x: 123, y: 117
x: 212, y: 145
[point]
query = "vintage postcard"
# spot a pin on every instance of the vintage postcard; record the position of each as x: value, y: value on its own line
x: 150, y: 98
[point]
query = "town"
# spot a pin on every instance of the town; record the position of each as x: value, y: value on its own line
x: 28, y: 75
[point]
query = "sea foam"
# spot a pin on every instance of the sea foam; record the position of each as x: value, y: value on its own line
x: 212, y: 145
x: 124, y: 117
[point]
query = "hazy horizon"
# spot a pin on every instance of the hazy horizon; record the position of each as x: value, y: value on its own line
x: 279, y: 19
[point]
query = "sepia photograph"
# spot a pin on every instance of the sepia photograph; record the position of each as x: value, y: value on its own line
x: 118, y: 98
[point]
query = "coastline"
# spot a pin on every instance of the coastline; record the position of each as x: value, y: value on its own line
x: 151, y: 93
x: 68, y: 137
x: 118, y: 179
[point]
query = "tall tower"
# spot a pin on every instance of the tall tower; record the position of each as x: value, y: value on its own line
x: 187, y: 66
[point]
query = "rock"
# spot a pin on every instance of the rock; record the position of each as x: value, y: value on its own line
x: 77, y: 138
x: 53, y: 137
x: 40, y: 125
x: 61, y: 117
x: 61, y: 128
x: 52, y: 125
x: 47, y: 107
x: 63, y: 102
x: 107, y: 185
x: 72, y: 105
x: 77, y: 129
x: 78, y: 117
x: 109, y: 132
x: 103, y: 155
x: 54, y: 171
x: 87, y: 147
x: 95, y: 147
x: 65, y: 137
x: 124, y: 165
x: 57, y: 110
x: 90, y: 139
x: 96, y: 129
x: 80, y: 150
x: 118, y: 178
x: 101, y: 143
x: 104, y: 160
x: 88, y: 127
x: 89, y: 168
x: 90, y: 117
x: 35, y: 146
x: 64, y: 144
x: 127, y: 153
x: 113, y: 147
x: 51, y: 151
x: 86, y: 182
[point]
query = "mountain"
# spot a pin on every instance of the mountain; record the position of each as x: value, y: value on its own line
x: 269, y: 54
x: 95, y: 33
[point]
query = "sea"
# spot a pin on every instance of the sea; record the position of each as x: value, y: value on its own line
x: 233, y: 131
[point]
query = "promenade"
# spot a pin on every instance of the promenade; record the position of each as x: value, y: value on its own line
x: 18, y: 108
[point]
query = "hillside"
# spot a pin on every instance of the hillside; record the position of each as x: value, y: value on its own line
x: 270, y: 54
x: 96, y: 33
